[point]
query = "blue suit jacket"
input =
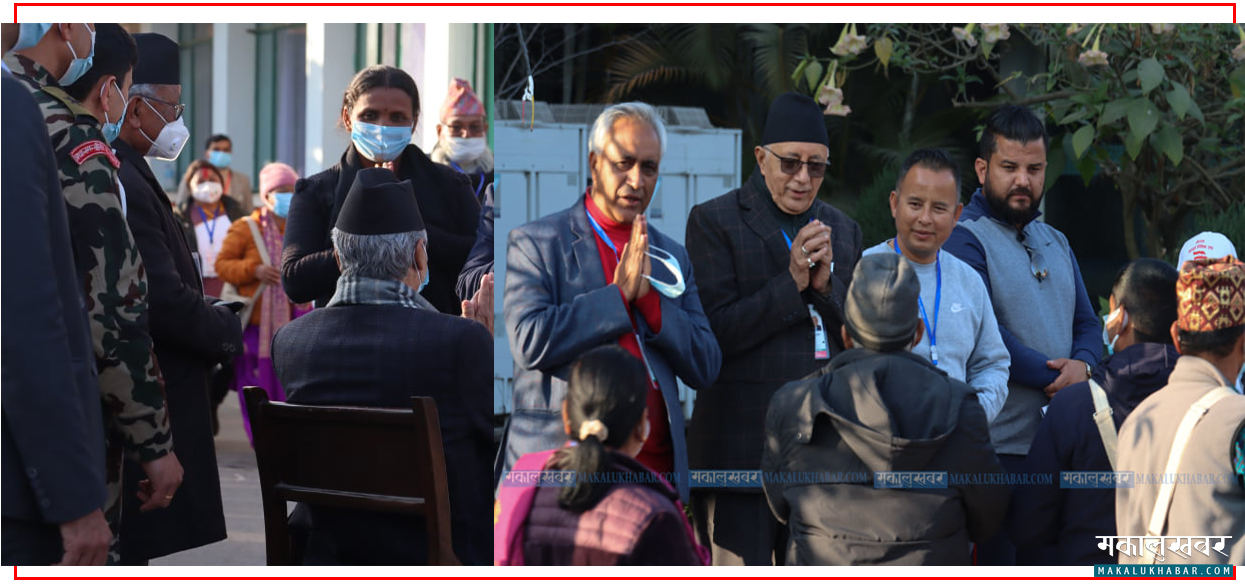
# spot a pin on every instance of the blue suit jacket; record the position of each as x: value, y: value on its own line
x: 53, y: 445
x: 557, y: 306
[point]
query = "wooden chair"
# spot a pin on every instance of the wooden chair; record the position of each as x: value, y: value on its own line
x: 329, y: 455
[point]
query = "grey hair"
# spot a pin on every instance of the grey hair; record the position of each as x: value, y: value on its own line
x: 384, y: 256
x: 143, y: 90
x: 604, y: 123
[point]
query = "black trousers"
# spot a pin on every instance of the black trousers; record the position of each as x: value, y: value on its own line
x: 26, y: 542
x: 738, y: 528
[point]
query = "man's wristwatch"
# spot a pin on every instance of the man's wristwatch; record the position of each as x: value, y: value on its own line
x: 1089, y: 371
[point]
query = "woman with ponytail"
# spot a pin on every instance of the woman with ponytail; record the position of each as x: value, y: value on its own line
x: 613, y: 510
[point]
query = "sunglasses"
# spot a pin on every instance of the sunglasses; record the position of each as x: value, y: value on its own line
x: 1037, y: 262
x: 791, y: 166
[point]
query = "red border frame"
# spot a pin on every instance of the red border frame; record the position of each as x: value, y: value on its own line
x: 648, y: 4
x: 593, y: 4
x: 706, y: 578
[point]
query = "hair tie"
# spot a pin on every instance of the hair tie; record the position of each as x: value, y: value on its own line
x: 593, y: 428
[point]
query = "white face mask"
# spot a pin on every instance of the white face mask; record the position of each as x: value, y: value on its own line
x: 1106, y: 323
x: 464, y: 149
x: 172, y: 138
x: 208, y: 192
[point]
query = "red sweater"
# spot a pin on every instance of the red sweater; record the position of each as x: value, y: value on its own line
x: 658, y: 452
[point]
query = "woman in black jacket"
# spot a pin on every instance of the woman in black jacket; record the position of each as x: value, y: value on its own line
x: 380, y: 109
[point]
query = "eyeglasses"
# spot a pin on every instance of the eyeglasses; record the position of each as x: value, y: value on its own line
x: 791, y: 166
x: 177, y: 108
x: 1037, y: 262
x: 475, y: 129
x: 647, y: 168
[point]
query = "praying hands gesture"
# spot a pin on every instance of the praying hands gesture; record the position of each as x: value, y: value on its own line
x: 634, y: 264
x: 480, y: 307
x: 811, y: 255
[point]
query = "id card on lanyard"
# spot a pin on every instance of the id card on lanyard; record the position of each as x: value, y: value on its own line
x: 821, y: 344
x: 640, y: 342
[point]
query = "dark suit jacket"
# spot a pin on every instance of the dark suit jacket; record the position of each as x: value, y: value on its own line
x: 53, y: 436
x: 557, y: 307
x: 759, y: 317
x: 189, y: 336
x: 380, y: 355
x: 480, y: 260
x: 446, y: 202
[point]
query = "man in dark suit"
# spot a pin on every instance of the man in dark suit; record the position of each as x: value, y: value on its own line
x: 53, y: 435
x: 480, y: 260
x: 377, y: 343
x: 774, y: 263
x: 580, y: 278
x: 191, y: 332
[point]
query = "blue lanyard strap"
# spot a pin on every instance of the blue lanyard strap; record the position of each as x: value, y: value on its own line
x: 601, y: 232
x: 932, y: 329
x: 208, y: 225
x: 786, y: 237
x: 460, y: 169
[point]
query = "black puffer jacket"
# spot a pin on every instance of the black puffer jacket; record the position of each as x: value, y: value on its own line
x: 446, y: 202
x: 870, y: 412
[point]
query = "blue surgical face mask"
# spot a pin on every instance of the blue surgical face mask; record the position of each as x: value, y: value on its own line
x: 672, y: 291
x: 1106, y: 339
x: 220, y: 158
x: 281, y: 203
x: 30, y: 35
x: 78, y: 66
x: 112, y: 129
x: 379, y: 143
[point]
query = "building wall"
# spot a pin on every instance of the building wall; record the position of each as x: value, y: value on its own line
x: 240, y: 71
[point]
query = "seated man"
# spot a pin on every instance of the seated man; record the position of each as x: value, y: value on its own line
x: 377, y: 343
x: 878, y: 408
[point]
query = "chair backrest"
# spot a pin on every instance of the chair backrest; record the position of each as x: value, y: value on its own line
x: 328, y: 455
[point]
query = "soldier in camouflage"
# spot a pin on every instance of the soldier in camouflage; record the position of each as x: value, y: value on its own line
x: 107, y: 261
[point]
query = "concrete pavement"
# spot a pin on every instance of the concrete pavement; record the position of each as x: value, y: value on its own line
x: 239, y: 483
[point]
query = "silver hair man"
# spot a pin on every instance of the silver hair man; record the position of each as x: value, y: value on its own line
x: 604, y: 123
x: 383, y: 257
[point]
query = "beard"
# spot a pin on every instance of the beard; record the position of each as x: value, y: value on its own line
x: 1004, y: 211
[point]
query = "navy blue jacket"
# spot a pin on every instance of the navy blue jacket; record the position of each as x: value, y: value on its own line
x: 1029, y: 365
x: 1068, y: 440
x: 480, y: 260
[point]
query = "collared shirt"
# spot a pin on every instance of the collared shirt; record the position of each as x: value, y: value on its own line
x: 358, y: 290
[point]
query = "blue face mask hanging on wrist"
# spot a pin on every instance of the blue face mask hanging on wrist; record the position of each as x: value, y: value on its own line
x: 379, y: 143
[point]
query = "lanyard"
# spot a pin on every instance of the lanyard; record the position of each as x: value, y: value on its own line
x: 932, y: 329
x: 601, y: 232
x: 639, y: 342
x: 460, y: 169
x: 209, y: 225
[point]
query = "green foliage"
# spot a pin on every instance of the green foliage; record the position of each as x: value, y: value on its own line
x: 1229, y: 222
x: 873, y: 209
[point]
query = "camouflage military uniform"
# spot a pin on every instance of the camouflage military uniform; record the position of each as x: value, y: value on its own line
x: 115, y: 286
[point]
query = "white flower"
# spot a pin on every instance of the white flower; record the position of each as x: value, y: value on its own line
x: 849, y: 44
x: 965, y: 36
x: 829, y: 95
x: 1092, y: 57
x: 1162, y: 29
x: 838, y: 110
x: 993, y: 33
